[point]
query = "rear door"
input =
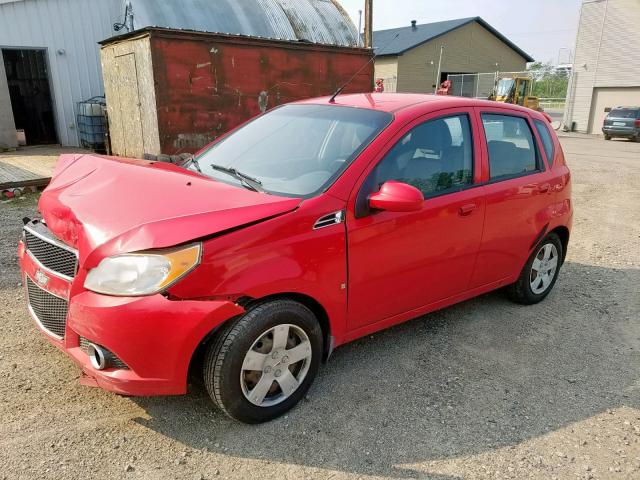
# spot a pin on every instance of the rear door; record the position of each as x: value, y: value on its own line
x: 518, y: 194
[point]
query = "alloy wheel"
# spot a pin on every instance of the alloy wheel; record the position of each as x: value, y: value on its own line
x: 543, y: 268
x: 275, y: 365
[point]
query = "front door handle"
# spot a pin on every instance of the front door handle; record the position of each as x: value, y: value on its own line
x: 544, y: 188
x: 467, y: 209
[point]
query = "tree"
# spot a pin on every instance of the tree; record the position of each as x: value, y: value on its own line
x: 548, y: 82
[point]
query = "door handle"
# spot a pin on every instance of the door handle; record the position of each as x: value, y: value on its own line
x: 544, y: 188
x: 467, y: 209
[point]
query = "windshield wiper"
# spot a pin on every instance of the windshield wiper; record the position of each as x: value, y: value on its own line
x: 251, y: 182
x: 194, y: 161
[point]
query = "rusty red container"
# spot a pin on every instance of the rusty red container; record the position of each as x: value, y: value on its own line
x: 173, y: 91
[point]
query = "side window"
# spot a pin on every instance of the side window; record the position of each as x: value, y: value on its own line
x: 547, y: 141
x: 512, y: 151
x: 435, y: 157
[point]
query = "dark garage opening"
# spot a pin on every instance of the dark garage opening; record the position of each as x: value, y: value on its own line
x: 28, y: 81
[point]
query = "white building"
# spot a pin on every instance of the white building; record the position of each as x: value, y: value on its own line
x: 50, y: 60
x: 606, y: 67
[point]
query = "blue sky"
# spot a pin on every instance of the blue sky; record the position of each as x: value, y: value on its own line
x: 540, y: 27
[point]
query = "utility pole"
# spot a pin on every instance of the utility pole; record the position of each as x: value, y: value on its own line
x: 359, y: 28
x: 439, y: 69
x: 368, y: 24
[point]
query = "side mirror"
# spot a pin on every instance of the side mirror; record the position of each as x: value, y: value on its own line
x: 397, y: 197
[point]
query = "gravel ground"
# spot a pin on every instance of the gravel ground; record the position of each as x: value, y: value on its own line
x: 485, y: 389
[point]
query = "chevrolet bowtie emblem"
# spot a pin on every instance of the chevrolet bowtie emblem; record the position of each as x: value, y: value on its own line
x: 41, y: 278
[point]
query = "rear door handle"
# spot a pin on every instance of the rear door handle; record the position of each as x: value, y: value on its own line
x: 467, y: 209
x: 544, y: 188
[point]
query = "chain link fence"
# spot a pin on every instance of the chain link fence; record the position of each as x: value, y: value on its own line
x: 390, y: 84
x: 480, y: 85
x: 472, y: 85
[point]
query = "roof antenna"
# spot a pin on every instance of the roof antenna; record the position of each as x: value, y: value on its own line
x: 375, y: 55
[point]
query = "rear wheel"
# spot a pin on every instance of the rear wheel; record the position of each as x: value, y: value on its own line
x: 607, y: 137
x: 260, y: 366
x: 540, y: 273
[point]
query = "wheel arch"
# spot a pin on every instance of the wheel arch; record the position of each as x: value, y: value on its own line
x: 563, y: 234
x: 247, y: 303
x: 308, y: 301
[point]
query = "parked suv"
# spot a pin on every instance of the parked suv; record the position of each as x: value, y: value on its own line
x: 312, y: 225
x: 622, y: 122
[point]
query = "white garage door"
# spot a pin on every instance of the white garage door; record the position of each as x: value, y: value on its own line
x: 605, y: 99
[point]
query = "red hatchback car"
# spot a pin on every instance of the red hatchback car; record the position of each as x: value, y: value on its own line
x: 308, y: 227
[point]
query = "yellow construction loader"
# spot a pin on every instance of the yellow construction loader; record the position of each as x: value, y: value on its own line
x: 515, y: 90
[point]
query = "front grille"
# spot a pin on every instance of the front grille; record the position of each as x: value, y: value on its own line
x: 114, y: 361
x: 49, y: 310
x: 47, y: 250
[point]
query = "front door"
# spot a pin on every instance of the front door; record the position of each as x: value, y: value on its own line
x: 399, y: 262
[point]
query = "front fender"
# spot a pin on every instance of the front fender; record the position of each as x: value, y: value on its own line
x: 283, y: 254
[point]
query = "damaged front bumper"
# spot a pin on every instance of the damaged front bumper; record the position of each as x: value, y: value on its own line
x: 153, y: 338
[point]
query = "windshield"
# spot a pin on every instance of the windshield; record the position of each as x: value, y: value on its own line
x: 624, y: 113
x: 295, y: 150
x: 504, y: 87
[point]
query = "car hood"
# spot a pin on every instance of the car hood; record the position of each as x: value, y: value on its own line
x: 114, y: 205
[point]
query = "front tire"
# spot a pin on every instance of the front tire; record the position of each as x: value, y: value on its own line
x: 607, y: 137
x: 263, y: 363
x: 540, y: 273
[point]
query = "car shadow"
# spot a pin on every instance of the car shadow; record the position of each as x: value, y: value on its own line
x: 472, y: 378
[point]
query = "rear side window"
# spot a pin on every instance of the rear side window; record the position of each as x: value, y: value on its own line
x: 547, y: 141
x: 512, y: 152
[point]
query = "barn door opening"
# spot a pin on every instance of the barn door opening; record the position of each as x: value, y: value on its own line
x: 30, y: 94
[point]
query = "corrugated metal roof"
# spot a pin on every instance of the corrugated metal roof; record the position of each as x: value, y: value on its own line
x: 318, y: 21
x: 409, y: 37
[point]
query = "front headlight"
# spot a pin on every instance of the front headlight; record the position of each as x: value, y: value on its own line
x: 145, y: 273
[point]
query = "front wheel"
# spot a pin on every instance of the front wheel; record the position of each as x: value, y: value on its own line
x: 607, y: 137
x: 261, y: 365
x: 540, y: 273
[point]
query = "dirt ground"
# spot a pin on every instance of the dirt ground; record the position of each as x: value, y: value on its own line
x: 485, y: 389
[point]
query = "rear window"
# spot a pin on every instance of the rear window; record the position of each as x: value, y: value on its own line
x: 512, y: 152
x: 547, y: 140
x: 624, y: 113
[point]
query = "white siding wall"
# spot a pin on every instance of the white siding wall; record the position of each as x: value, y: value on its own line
x: 607, y: 54
x: 74, y: 26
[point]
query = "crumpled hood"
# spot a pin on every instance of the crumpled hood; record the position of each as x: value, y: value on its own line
x: 118, y: 205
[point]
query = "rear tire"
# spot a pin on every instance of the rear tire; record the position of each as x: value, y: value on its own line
x: 263, y: 363
x: 607, y: 137
x: 540, y: 273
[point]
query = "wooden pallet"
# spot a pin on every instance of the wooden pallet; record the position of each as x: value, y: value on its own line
x: 12, y: 176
